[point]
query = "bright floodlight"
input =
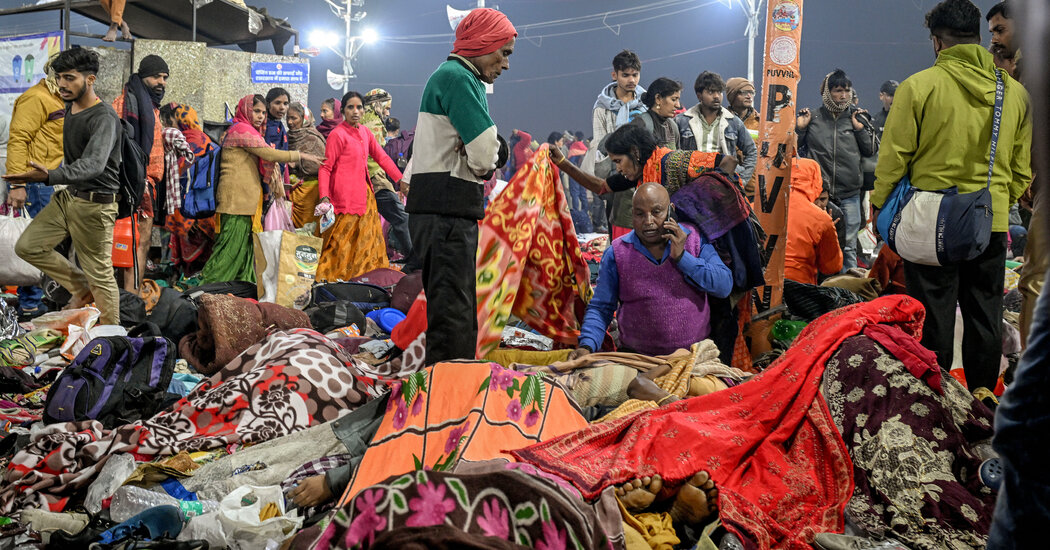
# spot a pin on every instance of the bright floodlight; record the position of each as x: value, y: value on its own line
x: 369, y: 35
x: 321, y: 37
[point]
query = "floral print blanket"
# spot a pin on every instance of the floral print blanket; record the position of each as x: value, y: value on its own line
x: 782, y: 471
x: 519, y: 504
x: 289, y: 381
x: 455, y: 412
x: 529, y: 260
x: 912, y: 441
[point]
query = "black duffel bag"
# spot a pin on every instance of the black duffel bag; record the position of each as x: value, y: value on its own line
x: 329, y: 316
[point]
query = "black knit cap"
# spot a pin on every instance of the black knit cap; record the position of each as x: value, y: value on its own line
x: 152, y: 65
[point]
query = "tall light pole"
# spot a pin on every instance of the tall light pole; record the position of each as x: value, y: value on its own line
x: 347, y: 70
x: 753, y: 9
x: 343, y: 9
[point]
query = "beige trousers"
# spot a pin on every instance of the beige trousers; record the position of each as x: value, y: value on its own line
x: 90, y: 225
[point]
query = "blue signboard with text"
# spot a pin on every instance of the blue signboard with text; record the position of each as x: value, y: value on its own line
x: 280, y: 73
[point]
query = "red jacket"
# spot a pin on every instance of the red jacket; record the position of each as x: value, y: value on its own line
x: 522, y: 149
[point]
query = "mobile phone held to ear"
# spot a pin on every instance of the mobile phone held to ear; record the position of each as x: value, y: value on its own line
x: 673, y: 216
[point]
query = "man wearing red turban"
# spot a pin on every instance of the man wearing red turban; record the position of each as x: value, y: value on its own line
x: 483, y: 31
x: 456, y: 149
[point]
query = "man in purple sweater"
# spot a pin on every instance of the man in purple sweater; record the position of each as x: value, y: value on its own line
x: 655, y: 280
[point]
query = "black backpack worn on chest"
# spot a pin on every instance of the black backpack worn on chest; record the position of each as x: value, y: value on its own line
x: 132, y: 172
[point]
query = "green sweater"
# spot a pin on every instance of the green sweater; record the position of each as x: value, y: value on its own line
x: 456, y: 147
x: 939, y: 132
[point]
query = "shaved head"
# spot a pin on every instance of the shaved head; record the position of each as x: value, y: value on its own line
x: 652, y: 192
x: 649, y: 210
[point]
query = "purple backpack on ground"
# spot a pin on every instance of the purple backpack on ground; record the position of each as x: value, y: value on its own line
x: 115, y: 380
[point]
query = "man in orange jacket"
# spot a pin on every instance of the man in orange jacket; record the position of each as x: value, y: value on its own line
x: 812, y: 242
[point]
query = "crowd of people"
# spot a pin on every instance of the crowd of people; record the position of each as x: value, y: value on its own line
x: 269, y: 153
x: 664, y: 408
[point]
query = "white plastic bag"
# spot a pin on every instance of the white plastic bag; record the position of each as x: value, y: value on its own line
x: 15, y: 270
x: 867, y: 240
x: 205, y: 527
x: 239, y: 516
x: 269, y: 243
x: 327, y: 220
x: 112, y: 476
x: 75, y: 324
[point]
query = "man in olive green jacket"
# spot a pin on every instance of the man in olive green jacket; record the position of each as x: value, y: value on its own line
x: 939, y: 134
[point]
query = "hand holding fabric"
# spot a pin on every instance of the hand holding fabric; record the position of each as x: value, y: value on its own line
x: 728, y: 164
x: 556, y: 155
x: 307, y: 157
x: 322, y: 207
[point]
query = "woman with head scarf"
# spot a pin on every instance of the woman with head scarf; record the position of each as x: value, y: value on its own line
x: 238, y: 198
x: 331, y: 116
x: 276, y: 133
x: 303, y: 137
x: 377, y: 110
x: 189, y: 123
x: 714, y: 206
x: 354, y: 245
x: 191, y: 239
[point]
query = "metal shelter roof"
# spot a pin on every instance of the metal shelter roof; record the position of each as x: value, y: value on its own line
x: 215, y: 22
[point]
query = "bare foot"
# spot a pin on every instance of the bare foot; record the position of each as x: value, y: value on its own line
x: 647, y: 390
x: 638, y: 494
x: 125, y: 32
x: 111, y: 34
x: 696, y: 500
x: 77, y: 303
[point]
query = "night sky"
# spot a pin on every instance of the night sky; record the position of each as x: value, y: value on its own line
x: 564, y: 49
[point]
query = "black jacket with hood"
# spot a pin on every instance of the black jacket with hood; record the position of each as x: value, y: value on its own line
x: 838, y: 148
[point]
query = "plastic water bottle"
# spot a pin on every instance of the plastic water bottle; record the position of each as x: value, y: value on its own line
x: 113, y: 474
x: 129, y: 501
x: 786, y: 331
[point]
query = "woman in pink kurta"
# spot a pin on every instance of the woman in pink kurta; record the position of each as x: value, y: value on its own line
x: 354, y: 245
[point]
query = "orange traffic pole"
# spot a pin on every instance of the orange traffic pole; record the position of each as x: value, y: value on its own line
x: 776, y: 148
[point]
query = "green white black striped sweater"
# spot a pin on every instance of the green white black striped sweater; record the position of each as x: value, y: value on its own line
x: 454, y: 109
